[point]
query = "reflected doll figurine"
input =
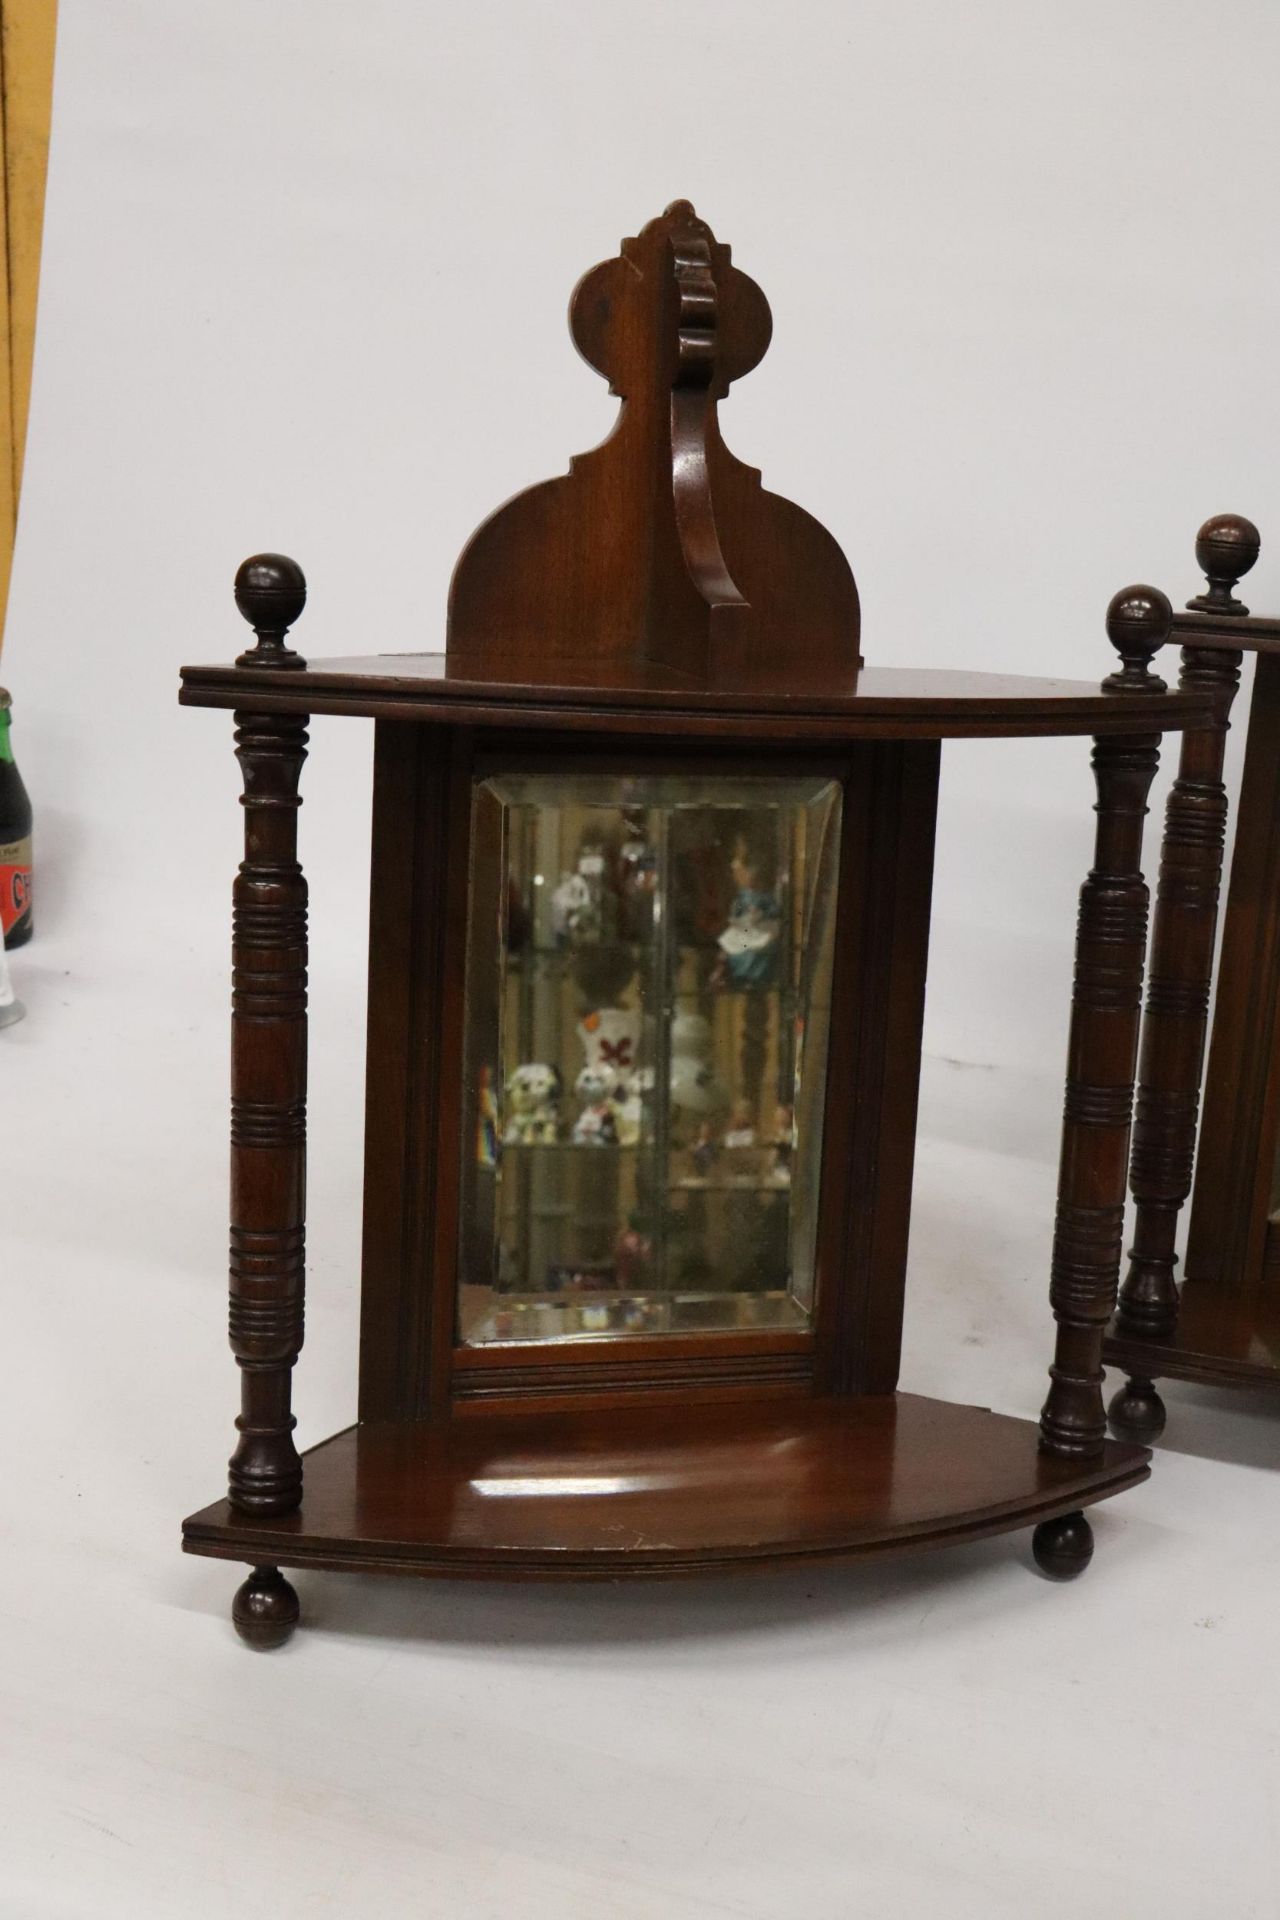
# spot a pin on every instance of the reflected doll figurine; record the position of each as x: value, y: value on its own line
x: 533, y: 1106
x: 706, y: 1150
x: 629, y: 1107
x: 596, y: 1126
x: 578, y: 902
x: 632, y: 1254
x: 750, y: 942
x: 783, y: 1143
x: 488, y: 1151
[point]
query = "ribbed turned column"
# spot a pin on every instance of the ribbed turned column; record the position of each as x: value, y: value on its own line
x: 1182, y: 940
x: 1102, y: 1049
x: 268, y: 1064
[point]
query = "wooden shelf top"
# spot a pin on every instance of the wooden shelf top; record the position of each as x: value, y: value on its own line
x: 879, y: 702
x: 729, y: 1485
x: 1250, y: 633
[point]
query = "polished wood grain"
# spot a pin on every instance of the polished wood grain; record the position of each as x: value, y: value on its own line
x: 1227, y: 547
x: 411, y: 1364
x: 1220, y: 1328
x: 410, y: 971
x: 656, y: 611
x: 620, y: 1494
x: 1227, y: 1233
x: 1177, y: 1004
x: 1228, y: 1276
x: 1253, y: 632
x: 659, y: 545
x: 1063, y: 1546
x: 1102, y: 1050
x: 265, y: 1609
x: 268, y: 1113
x: 864, y: 1220
x: 268, y: 1066
x: 1220, y: 1340
x: 887, y: 702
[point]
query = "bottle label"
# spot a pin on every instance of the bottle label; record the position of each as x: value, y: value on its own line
x: 15, y: 883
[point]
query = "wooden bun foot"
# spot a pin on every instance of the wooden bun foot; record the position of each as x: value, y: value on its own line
x: 1063, y: 1547
x: 1137, y: 1412
x: 265, y: 1609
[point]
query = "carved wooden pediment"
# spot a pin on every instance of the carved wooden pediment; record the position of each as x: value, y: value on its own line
x: 659, y: 546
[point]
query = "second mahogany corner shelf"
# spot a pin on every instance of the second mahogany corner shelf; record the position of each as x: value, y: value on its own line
x: 652, y: 867
x: 1222, y: 1326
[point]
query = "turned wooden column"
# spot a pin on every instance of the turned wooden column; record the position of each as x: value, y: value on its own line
x: 1186, y: 917
x: 1102, y: 1049
x: 1177, y: 1009
x: 268, y: 1063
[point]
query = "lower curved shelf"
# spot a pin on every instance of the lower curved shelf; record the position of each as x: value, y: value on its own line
x: 1221, y: 1340
x: 657, y: 1491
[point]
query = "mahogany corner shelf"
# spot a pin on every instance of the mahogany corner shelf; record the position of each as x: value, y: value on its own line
x: 1221, y: 1327
x: 652, y: 867
x: 541, y: 1495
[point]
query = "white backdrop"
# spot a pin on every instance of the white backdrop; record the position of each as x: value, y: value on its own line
x: 305, y: 279
x: 305, y: 276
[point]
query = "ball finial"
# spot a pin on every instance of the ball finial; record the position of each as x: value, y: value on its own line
x: 1139, y: 621
x: 1226, y: 548
x: 271, y: 593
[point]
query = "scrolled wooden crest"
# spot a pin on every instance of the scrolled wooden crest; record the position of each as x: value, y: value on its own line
x: 659, y: 546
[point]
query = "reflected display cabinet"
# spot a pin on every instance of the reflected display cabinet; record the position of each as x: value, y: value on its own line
x: 651, y: 877
x: 1221, y: 1327
x: 659, y: 992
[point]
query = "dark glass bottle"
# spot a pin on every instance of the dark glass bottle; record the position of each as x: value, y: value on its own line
x: 15, y: 842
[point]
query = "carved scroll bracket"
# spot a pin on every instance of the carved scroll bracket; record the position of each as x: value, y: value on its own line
x: 693, y: 421
x: 659, y: 547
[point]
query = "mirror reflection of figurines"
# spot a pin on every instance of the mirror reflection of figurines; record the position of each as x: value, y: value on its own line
x: 706, y: 1150
x: 518, y: 924
x: 584, y: 902
x: 632, y: 1254
x: 749, y: 943
x: 487, y: 1148
x: 533, y: 1105
x: 783, y: 1144
x: 595, y: 1126
x: 633, y: 1106
x: 637, y: 876
x: 696, y: 1087
x: 610, y: 1036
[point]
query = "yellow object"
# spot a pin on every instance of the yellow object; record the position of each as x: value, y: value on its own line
x: 27, y: 32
